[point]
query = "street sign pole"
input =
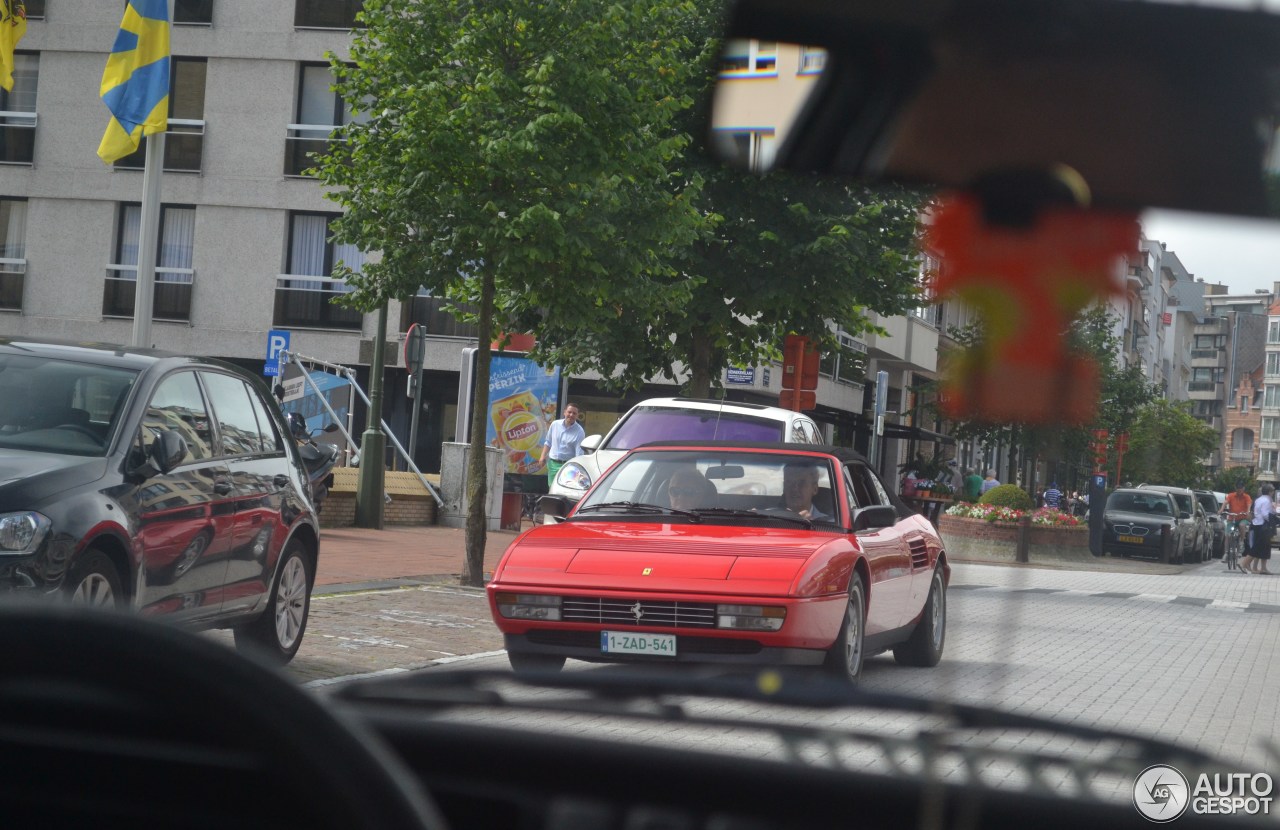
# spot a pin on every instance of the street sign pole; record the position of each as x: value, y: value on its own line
x: 418, y: 333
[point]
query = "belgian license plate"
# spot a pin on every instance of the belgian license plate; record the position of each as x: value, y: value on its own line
x: 628, y: 642
x: 1132, y: 540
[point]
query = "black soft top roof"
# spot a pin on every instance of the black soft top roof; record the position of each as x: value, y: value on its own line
x: 842, y: 454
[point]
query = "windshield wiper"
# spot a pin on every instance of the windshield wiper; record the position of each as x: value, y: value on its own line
x: 768, y: 513
x: 640, y: 507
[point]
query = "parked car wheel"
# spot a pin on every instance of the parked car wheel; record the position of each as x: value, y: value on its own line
x: 924, y: 648
x: 522, y: 663
x: 844, y: 660
x: 95, y: 582
x: 277, y: 634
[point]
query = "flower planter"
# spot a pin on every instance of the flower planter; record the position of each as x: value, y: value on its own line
x: 980, y: 540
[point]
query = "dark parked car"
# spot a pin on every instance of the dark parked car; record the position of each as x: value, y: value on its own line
x: 156, y: 482
x: 1217, y: 525
x: 1144, y: 522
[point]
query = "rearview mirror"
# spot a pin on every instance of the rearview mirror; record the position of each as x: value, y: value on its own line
x: 590, y: 444
x: 874, y: 517
x: 954, y: 93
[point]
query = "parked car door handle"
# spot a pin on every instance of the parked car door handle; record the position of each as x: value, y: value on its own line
x: 281, y: 481
x: 222, y: 487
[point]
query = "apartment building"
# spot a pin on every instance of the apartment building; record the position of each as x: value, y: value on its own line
x: 244, y: 242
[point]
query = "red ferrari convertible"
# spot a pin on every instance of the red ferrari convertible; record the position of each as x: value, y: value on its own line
x: 727, y: 553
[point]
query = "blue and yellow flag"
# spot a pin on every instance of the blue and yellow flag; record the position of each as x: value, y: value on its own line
x: 13, y: 25
x: 135, y: 84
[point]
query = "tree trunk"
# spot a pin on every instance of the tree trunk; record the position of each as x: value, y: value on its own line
x: 477, y: 470
x: 700, y: 365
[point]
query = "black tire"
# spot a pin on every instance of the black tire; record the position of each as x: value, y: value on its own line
x: 848, y: 652
x: 525, y: 663
x: 924, y: 647
x: 94, y: 581
x: 277, y: 633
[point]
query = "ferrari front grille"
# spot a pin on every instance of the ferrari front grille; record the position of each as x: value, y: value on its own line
x: 644, y: 612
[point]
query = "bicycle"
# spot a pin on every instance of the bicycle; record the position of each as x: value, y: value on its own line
x: 1236, y: 540
x: 529, y: 508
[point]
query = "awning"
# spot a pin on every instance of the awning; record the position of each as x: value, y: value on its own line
x: 863, y: 425
x: 916, y: 433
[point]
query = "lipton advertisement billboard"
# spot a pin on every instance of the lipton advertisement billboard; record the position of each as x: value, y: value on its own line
x: 523, y: 401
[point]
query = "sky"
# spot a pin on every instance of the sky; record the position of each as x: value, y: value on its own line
x: 1242, y: 253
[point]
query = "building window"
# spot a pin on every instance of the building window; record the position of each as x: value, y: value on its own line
x: 1271, y: 429
x: 326, y: 14
x: 750, y: 149
x: 319, y: 111
x: 305, y: 294
x: 171, y: 299
x: 35, y: 9
x: 1244, y: 404
x: 1267, y: 459
x: 193, y: 12
x: 749, y: 57
x: 1273, y: 331
x: 429, y: 312
x: 1273, y: 364
x: 18, y: 111
x: 1271, y: 397
x: 812, y: 60
x: 184, y: 139
x: 13, y: 256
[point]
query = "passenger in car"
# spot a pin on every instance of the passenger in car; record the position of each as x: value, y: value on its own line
x: 799, y: 486
x: 689, y: 490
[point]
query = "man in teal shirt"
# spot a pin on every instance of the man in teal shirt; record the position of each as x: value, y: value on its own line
x: 972, y: 485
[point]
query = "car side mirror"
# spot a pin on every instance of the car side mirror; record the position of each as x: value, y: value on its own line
x: 874, y: 517
x: 591, y: 443
x: 557, y: 507
x: 1184, y: 515
x: 165, y: 453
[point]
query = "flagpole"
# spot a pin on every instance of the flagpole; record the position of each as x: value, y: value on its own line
x: 149, y: 234
x: 148, y: 241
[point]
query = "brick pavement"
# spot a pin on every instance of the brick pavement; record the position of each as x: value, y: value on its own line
x: 352, y: 558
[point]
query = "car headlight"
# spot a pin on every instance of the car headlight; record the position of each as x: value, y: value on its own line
x: 22, y: 532
x: 528, y: 606
x: 574, y: 477
x: 750, y: 617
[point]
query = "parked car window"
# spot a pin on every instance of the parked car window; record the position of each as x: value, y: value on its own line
x: 237, y: 423
x: 178, y: 405
x: 798, y: 434
x: 267, y: 434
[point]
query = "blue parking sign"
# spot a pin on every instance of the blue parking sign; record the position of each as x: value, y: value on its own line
x: 277, y: 342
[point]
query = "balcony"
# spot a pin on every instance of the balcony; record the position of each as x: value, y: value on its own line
x: 170, y: 298
x: 429, y: 312
x: 1213, y: 326
x: 183, y: 148
x: 303, y: 141
x: 304, y: 301
x: 1243, y: 456
x: 1204, y: 390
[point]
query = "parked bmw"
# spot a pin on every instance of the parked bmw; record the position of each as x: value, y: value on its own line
x: 155, y: 482
x: 1144, y: 523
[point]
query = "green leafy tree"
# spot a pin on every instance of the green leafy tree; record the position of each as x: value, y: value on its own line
x: 780, y: 254
x: 1224, y: 481
x: 1167, y: 444
x: 521, y: 157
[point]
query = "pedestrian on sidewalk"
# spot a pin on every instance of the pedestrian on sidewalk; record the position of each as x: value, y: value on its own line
x: 563, y: 441
x: 990, y: 482
x: 1053, y: 496
x: 1255, y: 561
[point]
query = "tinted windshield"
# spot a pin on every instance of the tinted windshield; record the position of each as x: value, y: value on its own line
x: 728, y: 481
x: 1153, y: 503
x: 60, y: 406
x: 651, y: 423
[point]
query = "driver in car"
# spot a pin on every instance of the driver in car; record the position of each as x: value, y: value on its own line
x: 689, y: 490
x: 799, y: 486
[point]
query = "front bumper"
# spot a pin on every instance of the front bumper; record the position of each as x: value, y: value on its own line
x: 585, y: 645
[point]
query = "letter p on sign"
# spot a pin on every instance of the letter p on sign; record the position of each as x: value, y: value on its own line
x: 277, y: 342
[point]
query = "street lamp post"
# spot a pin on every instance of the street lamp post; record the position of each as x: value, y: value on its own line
x: 373, y: 444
